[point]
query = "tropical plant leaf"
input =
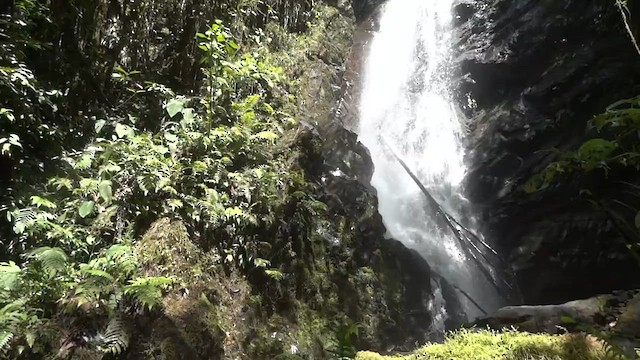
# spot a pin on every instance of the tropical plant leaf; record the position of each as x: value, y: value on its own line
x: 10, y: 274
x: 86, y: 209
x: 106, y: 191
x: 174, y: 106
x: 5, y: 339
x: 53, y: 260
x: 42, y: 202
x: 148, y: 291
x: 116, y: 336
x: 123, y: 130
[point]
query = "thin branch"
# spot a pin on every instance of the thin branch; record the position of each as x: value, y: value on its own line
x: 466, y: 294
x: 448, y: 219
x: 622, y: 6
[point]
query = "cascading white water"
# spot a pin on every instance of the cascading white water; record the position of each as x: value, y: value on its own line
x: 406, y: 104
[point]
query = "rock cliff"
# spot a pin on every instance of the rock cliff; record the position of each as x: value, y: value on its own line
x: 530, y: 76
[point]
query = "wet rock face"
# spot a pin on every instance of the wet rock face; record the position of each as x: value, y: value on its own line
x: 384, y: 286
x: 531, y: 74
x: 363, y: 8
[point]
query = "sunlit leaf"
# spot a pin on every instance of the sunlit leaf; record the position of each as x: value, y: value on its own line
x: 99, y: 126
x: 86, y: 209
x: 123, y: 130
x: 174, y: 106
x: 106, y: 191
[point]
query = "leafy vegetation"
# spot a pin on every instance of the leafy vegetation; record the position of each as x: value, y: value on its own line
x: 511, y: 345
x: 85, y: 175
x: 614, y: 152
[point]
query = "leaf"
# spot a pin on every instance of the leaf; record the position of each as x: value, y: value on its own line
x: 174, y: 106
x: 42, y: 202
x: 123, y: 130
x: 23, y: 219
x: 148, y: 291
x: 98, y: 273
x: 274, y: 274
x: 262, y: 263
x: 116, y: 336
x: 30, y: 336
x: 170, y: 137
x: 106, y: 191
x: 60, y: 183
x: 267, y: 135
x: 84, y: 163
x: 10, y: 273
x: 269, y: 109
x: 99, y: 126
x: 188, y: 117
x: 86, y: 209
x: 5, y: 339
x: 637, y: 221
x: 596, y: 151
x: 234, y: 211
x: 53, y: 259
x: 568, y: 320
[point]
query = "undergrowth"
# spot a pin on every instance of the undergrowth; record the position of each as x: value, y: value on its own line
x: 507, y: 345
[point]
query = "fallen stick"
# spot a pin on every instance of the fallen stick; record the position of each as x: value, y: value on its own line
x: 449, y: 220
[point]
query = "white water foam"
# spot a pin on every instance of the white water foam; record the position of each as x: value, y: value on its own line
x: 406, y: 104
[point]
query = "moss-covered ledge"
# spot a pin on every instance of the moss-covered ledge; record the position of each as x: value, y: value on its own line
x: 506, y: 345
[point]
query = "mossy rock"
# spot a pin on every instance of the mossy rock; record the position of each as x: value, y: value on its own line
x: 507, y: 345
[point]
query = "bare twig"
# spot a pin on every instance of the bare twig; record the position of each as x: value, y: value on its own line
x: 622, y: 6
x: 455, y: 227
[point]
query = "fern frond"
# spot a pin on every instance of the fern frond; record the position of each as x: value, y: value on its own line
x: 99, y: 275
x: 23, y: 219
x: 116, y: 336
x: 12, y: 316
x: 123, y: 257
x: 53, y: 260
x: 148, y: 291
x: 10, y: 274
x: 119, y: 251
x: 5, y: 339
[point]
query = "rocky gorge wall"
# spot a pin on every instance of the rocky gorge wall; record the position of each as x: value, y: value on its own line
x: 531, y: 75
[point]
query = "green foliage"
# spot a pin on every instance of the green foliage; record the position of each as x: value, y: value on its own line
x: 616, y: 148
x: 116, y: 337
x: 217, y: 161
x: 508, y: 345
x: 345, y: 335
x: 621, y: 125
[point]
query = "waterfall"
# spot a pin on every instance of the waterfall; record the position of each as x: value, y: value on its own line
x: 406, y: 104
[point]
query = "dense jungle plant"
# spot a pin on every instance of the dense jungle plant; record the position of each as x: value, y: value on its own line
x: 217, y: 161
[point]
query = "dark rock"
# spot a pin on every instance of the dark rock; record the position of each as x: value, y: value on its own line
x: 364, y: 8
x: 463, y: 11
x: 383, y: 282
x: 537, y: 72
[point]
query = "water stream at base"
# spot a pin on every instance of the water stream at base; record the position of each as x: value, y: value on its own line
x: 406, y: 104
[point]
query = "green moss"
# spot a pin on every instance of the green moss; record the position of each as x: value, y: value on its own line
x: 508, y: 345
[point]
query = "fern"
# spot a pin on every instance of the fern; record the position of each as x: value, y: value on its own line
x: 122, y: 257
x: 10, y: 274
x: 5, y: 339
x: 23, y: 219
x: 148, y: 291
x: 12, y: 318
x: 97, y: 274
x: 116, y: 336
x: 53, y: 260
